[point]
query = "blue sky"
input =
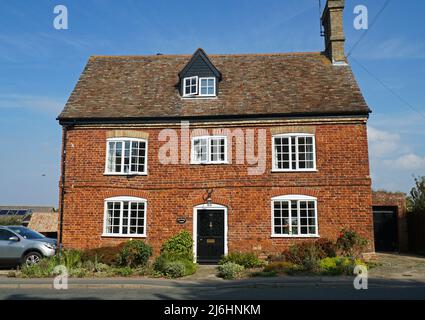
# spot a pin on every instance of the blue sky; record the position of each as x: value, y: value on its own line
x: 40, y: 65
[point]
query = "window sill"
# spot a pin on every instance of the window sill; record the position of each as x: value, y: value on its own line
x: 288, y: 171
x: 124, y: 174
x: 208, y: 163
x: 198, y: 97
x: 294, y: 236
x: 105, y: 235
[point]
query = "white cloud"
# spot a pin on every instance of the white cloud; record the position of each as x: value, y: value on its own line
x: 409, y: 161
x: 37, y: 103
x: 382, y: 143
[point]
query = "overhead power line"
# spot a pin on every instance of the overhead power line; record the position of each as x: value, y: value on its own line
x: 383, y: 84
x: 370, y: 27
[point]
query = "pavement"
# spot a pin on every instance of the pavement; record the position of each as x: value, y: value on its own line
x: 397, y: 277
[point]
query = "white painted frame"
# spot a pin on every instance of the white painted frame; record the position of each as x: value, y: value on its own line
x: 195, y: 226
x: 209, y: 161
x: 184, y: 86
x: 130, y: 200
x: 294, y: 197
x: 297, y: 169
x: 214, y: 86
x: 130, y: 173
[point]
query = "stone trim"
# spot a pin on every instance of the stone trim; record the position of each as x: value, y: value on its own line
x: 127, y: 134
x: 293, y: 129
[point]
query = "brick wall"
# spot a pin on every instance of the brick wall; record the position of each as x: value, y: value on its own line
x: 341, y: 185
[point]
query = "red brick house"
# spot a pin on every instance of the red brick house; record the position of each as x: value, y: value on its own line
x: 249, y: 152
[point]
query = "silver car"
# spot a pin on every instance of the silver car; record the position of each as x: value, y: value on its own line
x: 16, y: 249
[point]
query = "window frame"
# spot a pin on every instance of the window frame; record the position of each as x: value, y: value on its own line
x: 214, y: 86
x: 209, y: 161
x: 130, y: 200
x: 297, y: 198
x: 289, y: 136
x: 129, y: 173
x: 196, y: 86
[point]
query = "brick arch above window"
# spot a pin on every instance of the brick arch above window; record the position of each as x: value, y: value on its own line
x: 128, y: 193
x: 137, y: 134
x: 292, y: 129
x: 312, y: 192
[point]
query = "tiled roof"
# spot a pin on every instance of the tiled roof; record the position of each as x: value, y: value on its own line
x: 252, y: 84
x: 44, y: 221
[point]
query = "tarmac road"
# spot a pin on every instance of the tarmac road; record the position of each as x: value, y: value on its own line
x: 266, y: 290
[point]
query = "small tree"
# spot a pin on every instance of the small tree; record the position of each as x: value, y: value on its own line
x: 416, y: 200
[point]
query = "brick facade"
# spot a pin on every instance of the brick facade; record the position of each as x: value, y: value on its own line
x: 341, y: 184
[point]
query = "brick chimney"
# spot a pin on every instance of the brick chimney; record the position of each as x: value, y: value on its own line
x: 333, y: 31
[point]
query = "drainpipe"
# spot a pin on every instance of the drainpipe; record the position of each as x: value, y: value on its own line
x: 64, y: 140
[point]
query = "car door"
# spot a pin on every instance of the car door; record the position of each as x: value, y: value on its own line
x: 10, y: 250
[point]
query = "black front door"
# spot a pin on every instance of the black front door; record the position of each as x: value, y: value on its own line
x: 210, y: 242
x: 385, y: 227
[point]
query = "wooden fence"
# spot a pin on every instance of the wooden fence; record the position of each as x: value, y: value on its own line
x: 416, y: 230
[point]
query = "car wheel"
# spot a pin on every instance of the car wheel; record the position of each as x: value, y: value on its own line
x: 32, y: 258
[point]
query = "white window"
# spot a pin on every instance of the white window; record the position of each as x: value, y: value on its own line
x: 207, y: 86
x: 125, y: 217
x: 294, y: 152
x: 126, y: 156
x: 190, y: 86
x: 209, y: 149
x: 294, y: 216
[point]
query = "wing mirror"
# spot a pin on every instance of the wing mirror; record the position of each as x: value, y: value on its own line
x: 14, y: 238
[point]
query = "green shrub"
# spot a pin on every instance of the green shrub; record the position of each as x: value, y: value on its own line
x: 71, y: 258
x: 300, y: 253
x: 326, y: 248
x: 281, y: 267
x: 190, y: 267
x: 337, y: 266
x: 101, y: 267
x: 179, y: 246
x: 276, y: 258
x: 161, y: 262
x: 174, y: 269
x: 78, y: 272
x: 230, y: 270
x: 176, y: 253
x: 245, y: 259
x: 264, y: 274
x: 307, y: 254
x: 42, y: 269
x: 134, y: 253
x: 122, y: 271
x: 350, y: 244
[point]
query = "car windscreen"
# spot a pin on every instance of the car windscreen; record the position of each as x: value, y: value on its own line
x: 27, y: 233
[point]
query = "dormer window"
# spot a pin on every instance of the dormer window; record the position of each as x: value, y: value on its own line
x: 207, y: 86
x: 199, y: 78
x: 190, y: 86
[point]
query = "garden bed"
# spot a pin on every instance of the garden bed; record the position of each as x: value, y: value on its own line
x: 131, y: 259
x: 322, y: 257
